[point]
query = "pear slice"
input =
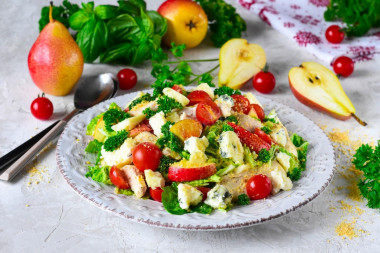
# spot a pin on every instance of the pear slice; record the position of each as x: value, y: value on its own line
x: 239, y: 61
x: 318, y: 87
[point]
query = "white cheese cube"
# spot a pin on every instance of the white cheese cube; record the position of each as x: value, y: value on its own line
x: 225, y: 103
x: 128, y: 124
x: 120, y: 156
x: 279, y: 136
x: 135, y: 179
x: 279, y: 180
x: 194, y: 144
x: 231, y: 147
x: 154, y: 179
x: 206, y: 88
x: 252, y: 99
x: 218, y: 197
x: 156, y: 122
x: 188, y: 195
x: 284, y: 160
x: 176, y: 96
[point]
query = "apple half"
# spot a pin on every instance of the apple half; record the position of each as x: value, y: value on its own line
x: 318, y: 87
x: 239, y: 61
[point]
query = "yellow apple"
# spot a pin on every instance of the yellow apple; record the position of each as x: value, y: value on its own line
x: 187, y: 22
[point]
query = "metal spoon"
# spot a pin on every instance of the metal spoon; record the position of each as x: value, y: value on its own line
x: 91, y: 91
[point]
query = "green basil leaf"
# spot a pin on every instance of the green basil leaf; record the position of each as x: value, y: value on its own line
x: 121, y: 27
x: 202, y: 208
x: 116, y: 52
x: 132, y: 7
x: 106, y: 11
x: 146, y: 23
x: 142, y: 53
x: 160, y: 23
x: 79, y: 19
x: 88, y: 7
x: 92, y: 39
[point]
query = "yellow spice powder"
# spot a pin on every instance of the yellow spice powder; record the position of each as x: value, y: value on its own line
x: 347, y: 229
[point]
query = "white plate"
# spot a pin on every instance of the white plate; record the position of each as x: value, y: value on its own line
x: 71, y: 159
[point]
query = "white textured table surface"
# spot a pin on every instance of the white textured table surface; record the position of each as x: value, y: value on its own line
x: 40, y: 213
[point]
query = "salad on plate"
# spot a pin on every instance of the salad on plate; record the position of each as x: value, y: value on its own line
x: 195, y: 150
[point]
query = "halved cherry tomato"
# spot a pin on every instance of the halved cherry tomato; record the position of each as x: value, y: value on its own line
x: 142, y: 127
x: 258, y: 187
x: 207, y: 112
x: 180, y: 174
x: 146, y: 156
x: 177, y: 88
x: 198, y: 96
x: 241, y: 104
x: 259, y: 111
x: 204, y: 191
x: 118, y: 178
x: 156, y: 194
x: 253, y: 142
x: 263, y: 135
x: 187, y: 128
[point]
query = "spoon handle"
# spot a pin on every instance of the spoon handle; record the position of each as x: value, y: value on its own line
x: 19, y: 164
x: 7, y: 159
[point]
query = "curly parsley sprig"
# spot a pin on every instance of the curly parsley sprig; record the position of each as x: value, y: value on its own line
x: 367, y: 159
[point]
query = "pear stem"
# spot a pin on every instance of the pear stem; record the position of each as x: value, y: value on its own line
x: 51, y: 12
x: 361, y: 122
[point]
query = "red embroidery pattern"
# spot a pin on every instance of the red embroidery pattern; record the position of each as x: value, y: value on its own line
x: 305, y: 38
x: 295, y: 7
x: 269, y: 9
x: 289, y: 24
x: 320, y: 3
x: 247, y: 4
x: 362, y: 53
x: 307, y: 19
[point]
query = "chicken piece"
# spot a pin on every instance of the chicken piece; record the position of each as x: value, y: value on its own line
x: 188, y: 112
x: 139, y: 108
x: 235, y: 181
x: 248, y: 122
x: 145, y: 137
x: 135, y: 179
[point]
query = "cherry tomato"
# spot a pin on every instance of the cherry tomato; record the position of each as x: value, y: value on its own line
x: 198, y: 96
x: 334, y: 34
x: 42, y: 107
x: 127, y: 79
x: 207, y: 112
x: 252, y: 141
x: 156, y: 194
x: 118, y: 178
x: 258, y: 187
x: 259, y: 111
x: 241, y: 104
x: 204, y: 191
x: 146, y: 156
x: 264, y: 82
x: 177, y: 88
x: 263, y: 135
x: 343, y: 66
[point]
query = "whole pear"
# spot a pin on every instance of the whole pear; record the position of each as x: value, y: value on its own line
x: 55, y: 60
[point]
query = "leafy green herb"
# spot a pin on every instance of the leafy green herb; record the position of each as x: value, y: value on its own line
x: 358, y: 15
x: 202, y: 208
x: 127, y: 192
x: 205, y: 182
x: 225, y: 23
x: 227, y: 127
x: 266, y: 129
x: 367, y: 159
x: 302, y: 147
x: 294, y: 173
x: 272, y: 120
x: 226, y: 90
x: 164, y: 165
x: 91, y: 126
x: 99, y: 174
x: 170, y: 201
x: 60, y: 13
x: 171, y: 141
x: 115, y: 141
x: 139, y: 100
x: 232, y: 119
x: 167, y: 104
x: 264, y: 156
x: 243, y: 200
x: 112, y: 117
x: 94, y: 146
x: 149, y: 112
